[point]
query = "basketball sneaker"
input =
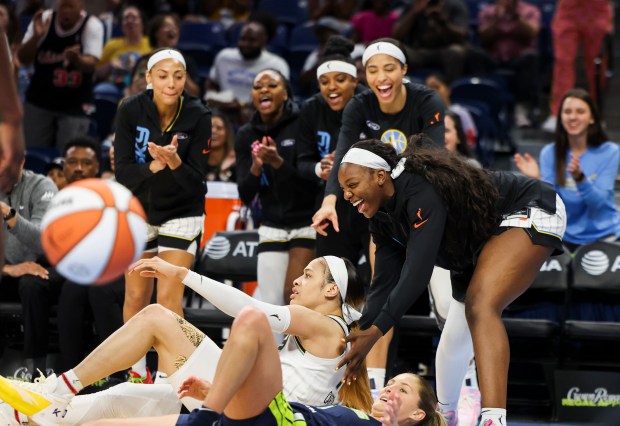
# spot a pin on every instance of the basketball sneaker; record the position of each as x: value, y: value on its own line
x: 469, y: 406
x: 9, y: 416
x: 135, y: 377
x: 38, y: 400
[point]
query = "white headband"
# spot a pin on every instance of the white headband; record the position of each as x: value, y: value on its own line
x: 165, y: 54
x: 363, y: 157
x: 336, y: 66
x: 338, y: 270
x: 383, y: 47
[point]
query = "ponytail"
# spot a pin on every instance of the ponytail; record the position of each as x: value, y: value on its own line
x: 357, y: 394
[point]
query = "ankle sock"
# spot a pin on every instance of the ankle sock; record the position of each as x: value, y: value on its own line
x: 376, y: 377
x: 493, y: 417
x: 68, y: 382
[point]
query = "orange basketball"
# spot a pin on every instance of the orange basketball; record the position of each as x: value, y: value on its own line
x: 93, y: 230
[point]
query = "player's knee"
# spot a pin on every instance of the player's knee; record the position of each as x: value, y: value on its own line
x: 251, y: 318
x: 151, y: 314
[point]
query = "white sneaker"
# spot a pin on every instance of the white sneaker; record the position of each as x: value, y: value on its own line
x: 37, y: 400
x: 550, y: 124
x: 522, y: 119
x: 11, y: 417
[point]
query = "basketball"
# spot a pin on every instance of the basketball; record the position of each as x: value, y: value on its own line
x: 93, y: 230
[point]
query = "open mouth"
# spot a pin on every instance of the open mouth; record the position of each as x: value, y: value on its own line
x: 385, y: 90
x: 265, y: 102
x: 359, y: 204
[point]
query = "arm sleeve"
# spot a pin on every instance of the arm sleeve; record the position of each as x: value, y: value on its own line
x: 349, y: 133
x: 598, y: 189
x: 127, y: 171
x: 28, y: 231
x: 247, y: 183
x: 193, y: 170
x: 307, y: 153
x: 421, y: 252
x: 230, y: 300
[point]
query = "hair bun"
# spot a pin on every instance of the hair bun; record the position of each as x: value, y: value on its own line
x: 338, y: 45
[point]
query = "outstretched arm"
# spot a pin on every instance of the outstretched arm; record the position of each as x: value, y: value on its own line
x: 296, y: 320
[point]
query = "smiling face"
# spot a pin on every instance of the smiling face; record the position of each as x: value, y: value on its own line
x: 269, y: 94
x: 362, y: 187
x: 218, y: 132
x: 131, y: 22
x: 576, y: 117
x: 384, y: 75
x: 337, y: 89
x: 407, y: 387
x: 310, y: 289
x: 451, y: 139
x: 168, y: 79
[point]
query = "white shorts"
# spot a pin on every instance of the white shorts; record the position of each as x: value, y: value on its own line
x: 281, y: 239
x: 202, y: 363
x: 175, y: 234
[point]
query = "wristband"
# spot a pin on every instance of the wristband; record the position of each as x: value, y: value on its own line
x: 580, y: 178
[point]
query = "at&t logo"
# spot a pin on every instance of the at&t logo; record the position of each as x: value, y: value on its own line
x: 219, y: 247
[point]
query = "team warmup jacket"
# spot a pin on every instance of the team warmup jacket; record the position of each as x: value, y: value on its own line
x: 363, y: 119
x: 286, y: 197
x: 409, y: 234
x: 168, y: 194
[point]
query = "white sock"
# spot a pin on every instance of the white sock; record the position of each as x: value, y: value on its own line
x: 161, y: 378
x: 496, y: 415
x: 68, y: 382
x: 376, y: 377
x: 140, y: 366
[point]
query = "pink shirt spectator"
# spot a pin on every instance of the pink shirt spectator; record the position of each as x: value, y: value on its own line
x: 369, y: 26
x: 507, y: 45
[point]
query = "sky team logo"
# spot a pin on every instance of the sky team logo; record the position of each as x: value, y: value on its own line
x: 396, y: 138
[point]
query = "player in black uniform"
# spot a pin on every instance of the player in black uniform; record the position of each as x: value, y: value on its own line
x: 434, y: 209
x: 320, y: 120
x: 391, y: 111
x: 161, y: 152
x: 266, y: 151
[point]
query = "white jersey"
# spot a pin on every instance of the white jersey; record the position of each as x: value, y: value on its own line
x: 307, y: 378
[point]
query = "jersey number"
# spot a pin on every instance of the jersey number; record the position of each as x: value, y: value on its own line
x: 64, y: 78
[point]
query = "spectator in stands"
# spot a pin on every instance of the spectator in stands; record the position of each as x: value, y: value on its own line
x: 10, y: 25
x: 422, y: 216
x: 26, y: 267
x: 391, y: 111
x: 137, y: 78
x: 582, y: 165
x: 320, y: 120
x: 339, y: 9
x: 54, y: 171
x: 508, y: 32
x: 229, y: 87
x: 438, y: 83
x: 221, y: 166
x: 64, y: 45
x: 374, y: 22
x: 161, y: 153
x: 267, y: 167
x: 11, y: 131
x: 164, y: 31
x: 455, y: 139
x: 228, y: 12
x: 435, y: 31
x: 576, y: 22
x: 121, y: 53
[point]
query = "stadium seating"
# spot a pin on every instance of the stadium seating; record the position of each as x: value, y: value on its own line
x: 106, y: 97
x: 202, y: 41
x: 289, y: 12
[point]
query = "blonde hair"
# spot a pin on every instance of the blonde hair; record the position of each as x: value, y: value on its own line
x: 428, y: 404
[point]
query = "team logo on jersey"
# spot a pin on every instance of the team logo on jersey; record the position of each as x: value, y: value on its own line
x: 324, y: 142
x: 181, y: 137
x: 396, y: 138
x: 142, y: 139
x: 363, y: 136
x: 421, y: 221
x: 372, y: 125
x: 287, y: 142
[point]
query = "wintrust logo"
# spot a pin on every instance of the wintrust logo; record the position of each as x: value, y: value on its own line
x: 595, y: 262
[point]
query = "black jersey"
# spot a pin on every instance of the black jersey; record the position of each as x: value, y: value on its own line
x: 363, y: 119
x: 286, y: 197
x: 409, y: 234
x: 56, y: 83
x: 168, y: 194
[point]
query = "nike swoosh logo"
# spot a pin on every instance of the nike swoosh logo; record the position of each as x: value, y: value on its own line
x: 205, y: 151
x: 418, y: 224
